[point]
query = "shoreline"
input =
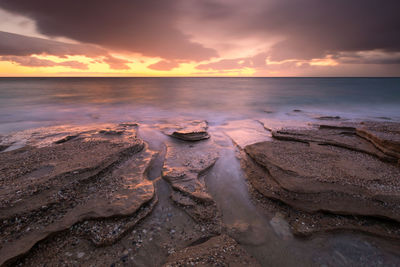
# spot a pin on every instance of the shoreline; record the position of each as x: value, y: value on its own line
x: 115, y: 194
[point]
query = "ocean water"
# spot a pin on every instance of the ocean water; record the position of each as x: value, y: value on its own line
x: 34, y: 102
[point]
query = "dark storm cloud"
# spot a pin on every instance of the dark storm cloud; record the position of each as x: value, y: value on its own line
x: 374, y: 57
x: 315, y: 28
x: 299, y: 29
x: 18, y: 45
x: 147, y: 27
x: 311, y: 28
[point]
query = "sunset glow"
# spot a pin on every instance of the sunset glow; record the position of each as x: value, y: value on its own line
x: 187, y: 38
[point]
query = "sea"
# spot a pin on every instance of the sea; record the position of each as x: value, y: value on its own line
x: 35, y: 102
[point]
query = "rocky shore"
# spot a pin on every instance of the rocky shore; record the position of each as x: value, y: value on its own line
x: 139, y: 195
x: 330, y: 177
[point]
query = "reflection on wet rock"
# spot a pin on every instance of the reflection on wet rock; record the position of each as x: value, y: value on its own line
x: 184, y: 168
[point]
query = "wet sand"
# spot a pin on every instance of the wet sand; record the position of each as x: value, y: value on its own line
x: 183, y: 193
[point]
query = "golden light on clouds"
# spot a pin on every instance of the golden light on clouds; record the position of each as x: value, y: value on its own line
x: 323, y: 62
x: 138, y: 66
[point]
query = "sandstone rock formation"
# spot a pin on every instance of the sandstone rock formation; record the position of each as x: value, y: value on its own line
x: 384, y: 135
x: 330, y: 169
x: 184, y: 168
x: 54, y: 183
x: 187, y: 130
x: 245, y: 132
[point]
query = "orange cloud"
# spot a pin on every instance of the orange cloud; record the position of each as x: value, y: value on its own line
x: 31, y: 61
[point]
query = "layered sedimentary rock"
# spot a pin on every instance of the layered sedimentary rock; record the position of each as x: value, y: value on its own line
x: 246, y: 132
x: 61, y: 178
x: 217, y: 251
x: 184, y: 168
x: 187, y: 130
x: 345, y: 137
x: 385, y: 136
x: 330, y: 169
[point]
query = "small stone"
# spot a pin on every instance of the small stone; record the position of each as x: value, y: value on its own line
x: 80, y: 255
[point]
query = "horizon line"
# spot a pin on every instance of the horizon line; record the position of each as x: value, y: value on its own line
x: 199, y: 77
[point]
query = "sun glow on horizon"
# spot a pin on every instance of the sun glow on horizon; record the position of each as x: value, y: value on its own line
x: 138, y: 66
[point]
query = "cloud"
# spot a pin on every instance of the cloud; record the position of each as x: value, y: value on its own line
x: 368, y: 57
x: 319, y: 28
x: 19, y: 45
x: 164, y: 65
x: 256, y: 62
x: 146, y: 27
x: 225, y: 64
x: 117, y: 63
x: 28, y: 61
x: 248, y: 34
x: 302, y: 29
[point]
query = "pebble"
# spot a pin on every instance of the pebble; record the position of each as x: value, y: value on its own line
x: 81, y: 254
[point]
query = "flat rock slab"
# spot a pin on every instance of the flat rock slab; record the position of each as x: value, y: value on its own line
x: 384, y: 135
x: 328, y: 118
x: 217, y: 251
x: 184, y: 168
x: 264, y: 194
x: 315, y: 177
x: 340, y: 137
x: 46, y: 136
x: 187, y: 130
x: 49, y: 186
x: 246, y: 132
x: 329, y: 177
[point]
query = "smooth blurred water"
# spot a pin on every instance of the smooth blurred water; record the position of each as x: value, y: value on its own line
x: 33, y: 102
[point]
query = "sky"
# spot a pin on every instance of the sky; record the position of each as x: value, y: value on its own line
x: 267, y: 38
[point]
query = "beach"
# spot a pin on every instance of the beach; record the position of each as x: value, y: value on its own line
x: 113, y: 175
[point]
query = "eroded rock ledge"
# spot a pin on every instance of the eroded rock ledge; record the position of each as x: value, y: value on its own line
x: 331, y: 177
x: 91, y: 177
x: 184, y: 168
x: 187, y: 130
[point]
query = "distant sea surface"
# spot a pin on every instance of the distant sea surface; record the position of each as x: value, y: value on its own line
x: 35, y: 102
